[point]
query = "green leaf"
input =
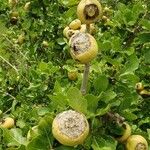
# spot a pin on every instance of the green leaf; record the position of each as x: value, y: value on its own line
x: 44, y: 140
x: 14, y: 137
x: 131, y: 65
x: 108, y: 96
x: 76, y: 100
x: 92, y: 103
x: 59, y: 100
x: 129, y: 115
x: 106, y: 143
x: 100, y: 83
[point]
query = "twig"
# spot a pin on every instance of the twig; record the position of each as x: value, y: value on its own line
x: 85, y: 79
x: 86, y: 71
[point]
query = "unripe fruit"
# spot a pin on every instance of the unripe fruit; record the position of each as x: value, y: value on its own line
x: 7, y: 123
x: 106, y: 9
x: 45, y: 44
x: 104, y: 18
x: 89, y: 11
x: 70, y: 33
x: 12, y: 3
x: 27, y: 6
x: 84, y: 29
x: 70, y: 128
x: 75, y: 24
x: 65, y: 31
x: 14, y: 14
x: 21, y: 39
x: 83, y: 47
x: 72, y: 75
x: 136, y: 142
x: 139, y: 86
x: 144, y: 93
x: 126, y: 134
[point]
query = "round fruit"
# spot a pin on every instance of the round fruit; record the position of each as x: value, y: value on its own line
x: 144, y: 93
x: 73, y: 75
x: 89, y: 11
x: 71, y: 32
x: 45, y: 44
x: 14, y: 14
x: 83, y: 28
x: 70, y: 128
x: 21, y: 39
x: 27, y: 6
x: 126, y: 134
x: 136, y: 142
x: 65, y: 31
x: 139, y: 86
x: 7, y: 123
x: 33, y: 132
x: 75, y: 24
x: 83, y: 47
x: 104, y: 18
x: 12, y: 3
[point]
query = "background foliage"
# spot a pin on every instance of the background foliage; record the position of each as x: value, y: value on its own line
x: 34, y: 85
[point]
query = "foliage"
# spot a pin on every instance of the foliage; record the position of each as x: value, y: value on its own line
x: 34, y: 85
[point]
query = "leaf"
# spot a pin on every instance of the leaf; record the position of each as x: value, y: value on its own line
x: 59, y: 100
x: 76, y: 100
x: 14, y: 137
x: 44, y: 140
x: 129, y: 115
x: 100, y: 83
x: 108, y: 96
x: 131, y: 65
x: 106, y: 143
x: 92, y: 103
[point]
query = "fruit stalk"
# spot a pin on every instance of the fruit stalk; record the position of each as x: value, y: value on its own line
x: 85, y: 79
x: 86, y: 71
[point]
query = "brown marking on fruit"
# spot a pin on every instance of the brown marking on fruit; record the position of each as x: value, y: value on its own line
x: 91, y: 11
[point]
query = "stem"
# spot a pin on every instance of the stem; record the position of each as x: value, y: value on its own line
x: 85, y: 79
x: 86, y: 71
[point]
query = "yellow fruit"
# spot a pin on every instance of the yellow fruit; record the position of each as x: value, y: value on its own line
x: 75, y: 24
x: 27, y: 6
x: 73, y: 75
x: 45, y: 44
x: 106, y: 9
x: 139, y: 86
x: 144, y: 93
x: 12, y: 3
x: 21, y: 39
x: 7, y: 123
x: 83, y: 47
x: 70, y: 128
x: 126, y: 134
x: 83, y: 28
x: 71, y: 32
x: 65, y: 31
x: 14, y: 14
x: 104, y: 18
x: 136, y: 142
x: 89, y: 11
x: 92, y: 29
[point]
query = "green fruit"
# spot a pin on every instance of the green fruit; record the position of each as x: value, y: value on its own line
x: 70, y: 128
x: 73, y: 75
